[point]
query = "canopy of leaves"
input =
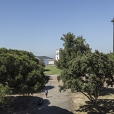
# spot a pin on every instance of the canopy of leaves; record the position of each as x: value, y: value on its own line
x: 83, y: 70
x: 41, y: 62
x: 4, y: 91
x: 21, y: 71
x: 73, y: 46
x: 91, y: 70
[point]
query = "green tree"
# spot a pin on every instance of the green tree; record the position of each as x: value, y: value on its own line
x: 82, y: 70
x: 111, y: 56
x: 73, y: 46
x: 41, y: 62
x: 4, y: 92
x: 87, y: 74
x: 21, y: 71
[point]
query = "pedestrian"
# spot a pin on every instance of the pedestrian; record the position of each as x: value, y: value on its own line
x: 46, y: 93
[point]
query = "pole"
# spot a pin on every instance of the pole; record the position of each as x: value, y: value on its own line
x: 113, y: 34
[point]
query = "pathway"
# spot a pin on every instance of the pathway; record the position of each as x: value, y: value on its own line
x: 56, y: 102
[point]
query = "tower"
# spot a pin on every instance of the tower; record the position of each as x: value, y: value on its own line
x: 57, y: 55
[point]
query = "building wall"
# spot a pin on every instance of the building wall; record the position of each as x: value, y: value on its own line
x: 51, y: 62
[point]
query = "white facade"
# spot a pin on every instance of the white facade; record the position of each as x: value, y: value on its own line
x: 57, y: 55
x: 51, y: 62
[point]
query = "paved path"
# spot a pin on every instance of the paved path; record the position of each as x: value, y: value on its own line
x: 56, y: 102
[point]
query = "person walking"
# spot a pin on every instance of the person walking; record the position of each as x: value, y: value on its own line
x: 46, y: 93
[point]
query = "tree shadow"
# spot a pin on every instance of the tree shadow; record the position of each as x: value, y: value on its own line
x: 49, y: 77
x: 48, y: 88
x: 51, y: 110
x: 107, y: 91
x: 104, y: 106
x: 29, y: 105
x: 20, y: 104
x: 46, y: 70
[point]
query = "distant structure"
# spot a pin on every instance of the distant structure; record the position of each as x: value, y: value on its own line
x: 57, y: 54
x: 51, y: 62
x: 47, y: 60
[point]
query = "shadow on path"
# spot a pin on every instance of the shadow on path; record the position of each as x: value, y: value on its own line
x: 107, y: 91
x: 47, y: 87
x: 29, y: 105
x: 105, y: 106
x: 51, y: 110
x: 22, y: 105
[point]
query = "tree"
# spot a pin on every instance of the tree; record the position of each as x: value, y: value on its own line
x: 4, y: 91
x: 21, y: 71
x: 84, y: 71
x: 73, y: 46
x: 41, y: 62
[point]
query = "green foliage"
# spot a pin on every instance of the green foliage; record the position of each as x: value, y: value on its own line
x: 21, y: 71
x: 73, y: 46
x: 83, y: 70
x: 4, y: 91
x: 41, y: 62
x: 111, y: 56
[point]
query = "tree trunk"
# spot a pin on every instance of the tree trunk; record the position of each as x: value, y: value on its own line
x: 94, y: 102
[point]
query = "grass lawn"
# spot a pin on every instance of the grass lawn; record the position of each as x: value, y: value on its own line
x: 51, y: 70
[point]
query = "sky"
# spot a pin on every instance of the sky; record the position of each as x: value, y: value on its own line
x: 38, y: 25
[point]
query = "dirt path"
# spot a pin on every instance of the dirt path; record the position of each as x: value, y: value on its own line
x: 78, y: 101
x: 55, y: 103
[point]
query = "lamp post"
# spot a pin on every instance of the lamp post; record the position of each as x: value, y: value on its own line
x: 113, y: 34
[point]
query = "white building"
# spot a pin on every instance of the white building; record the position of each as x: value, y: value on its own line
x: 57, y: 55
x: 51, y: 62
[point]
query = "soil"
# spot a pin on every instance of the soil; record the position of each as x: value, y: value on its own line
x: 81, y: 104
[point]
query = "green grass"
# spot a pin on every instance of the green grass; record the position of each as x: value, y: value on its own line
x: 51, y: 70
